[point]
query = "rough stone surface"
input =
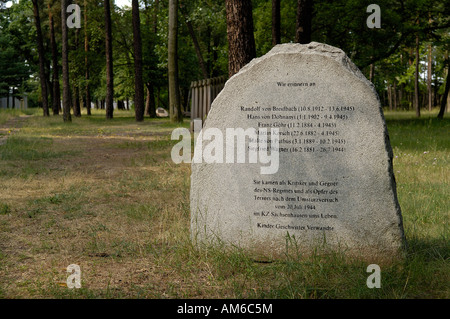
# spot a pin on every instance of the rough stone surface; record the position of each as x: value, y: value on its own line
x: 335, y: 186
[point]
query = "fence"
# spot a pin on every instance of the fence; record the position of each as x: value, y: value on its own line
x: 203, y: 93
x: 14, y: 102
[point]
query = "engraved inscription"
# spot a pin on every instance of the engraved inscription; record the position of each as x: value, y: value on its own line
x: 303, y: 130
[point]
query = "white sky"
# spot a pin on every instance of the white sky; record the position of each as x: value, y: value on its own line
x: 121, y: 3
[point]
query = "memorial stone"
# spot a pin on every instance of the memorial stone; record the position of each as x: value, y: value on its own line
x: 332, y: 183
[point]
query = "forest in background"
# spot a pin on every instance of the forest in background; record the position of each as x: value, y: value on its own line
x: 106, y: 57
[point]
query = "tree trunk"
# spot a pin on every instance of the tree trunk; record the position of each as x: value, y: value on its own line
x: 42, y: 75
x: 76, y: 101
x: 424, y: 101
x: 147, y: 102
x: 137, y: 47
x: 155, y: 16
x: 400, y: 95
x: 304, y: 18
x: 394, y: 95
x: 109, y: 63
x: 371, y: 72
x: 416, y: 80
x: 174, y: 91
x: 430, y: 92
x: 76, y: 85
x: 402, y: 87
x: 150, y: 107
x: 65, y: 64
x: 276, y: 22
x: 241, y: 41
x: 49, y: 82
x: 198, y: 51
x: 157, y: 98
x: 444, y: 100
x: 201, y: 61
x: 390, y: 97
x: 435, y: 91
x: 86, y: 60
x: 56, y: 100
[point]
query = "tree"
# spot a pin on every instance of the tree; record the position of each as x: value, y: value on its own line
x: 41, y: 52
x: 75, y: 74
x: 198, y: 52
x: 16, y: 62
x: 86, y: 60
x: 138, y: 81
x: 416, y: 78
x: 303, y: 24
x: 429, y: 76
x: 56, y: 100
x: 172, y: 63
x: 446, y: 91
x: 241, y: 41
x: 109, y: 62
x: 153, y: 76
x: 65, y: 64
x: 276, y: 22
x: 210, y: 43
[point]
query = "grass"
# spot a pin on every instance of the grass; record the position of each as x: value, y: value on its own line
x: 105, y: 195
x: 29, y: 149
x: 9, y: 114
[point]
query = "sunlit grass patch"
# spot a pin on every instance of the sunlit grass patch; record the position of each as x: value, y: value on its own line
x: 9, y: 114
x: 29, y: 149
